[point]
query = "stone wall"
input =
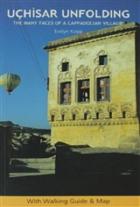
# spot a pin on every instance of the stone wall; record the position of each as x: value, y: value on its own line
x: 83, y: 58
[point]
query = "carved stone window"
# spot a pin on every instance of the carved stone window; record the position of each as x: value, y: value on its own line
x: 83, y: 90
x: 97, y: 115
x: 63, y: 117
x: 110, y: 114
x: 124, y: 114
x: 65, y: 66
x: 73, y: 116
x: 65, y: 93
x: 85, y: 116
x: 103, y: 88
x: 102, y: 59
x: 52, y: 117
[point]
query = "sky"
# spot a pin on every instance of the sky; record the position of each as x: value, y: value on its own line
x: 22, y: 53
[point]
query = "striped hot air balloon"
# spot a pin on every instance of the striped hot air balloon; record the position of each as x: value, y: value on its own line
x: 9, y: 81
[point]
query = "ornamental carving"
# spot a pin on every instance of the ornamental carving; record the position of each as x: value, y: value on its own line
x: 87, y: 109
x: 65, y: 76
x: 100, y: 53
x: 104, y: 70
x: 112, y: 107
x: 100, y: 108
x: 96, y: 60
x: 126, y: 107
x: 64, y: 110
x: 83, y: 72
x: 96, y: 122
x: 75, y: 110
x: 53, y: 111
x: 59, y: 67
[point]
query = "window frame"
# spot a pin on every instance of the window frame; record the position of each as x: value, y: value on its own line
x: 87, y: 89
x: 61, y: 93
x: 103, y: 60
x: 96, y: 89
x: 63, y: 65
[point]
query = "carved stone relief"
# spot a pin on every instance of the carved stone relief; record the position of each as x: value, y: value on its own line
x: 101, y: 52
x: 100, y: 108
x: 101, y: 69
x: 87, y: 109
x: 65, y: 76
x: 126, y: 107
x: 54, y: 112
x: 66, y: 113
x: 59, y: 67
x: 64, y: 110
x: 112, y: 107
x: 75, y: 110
x: 83, y: 72
x: 104, y: 70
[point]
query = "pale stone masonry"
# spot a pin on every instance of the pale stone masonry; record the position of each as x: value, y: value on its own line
x: 94, y: 87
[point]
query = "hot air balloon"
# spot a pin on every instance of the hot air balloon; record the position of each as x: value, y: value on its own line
x: 9, y: 81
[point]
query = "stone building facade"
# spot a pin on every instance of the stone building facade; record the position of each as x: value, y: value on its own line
x: 94, y: 85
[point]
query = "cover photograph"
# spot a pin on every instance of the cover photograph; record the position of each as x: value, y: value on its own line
x: 69, y: 103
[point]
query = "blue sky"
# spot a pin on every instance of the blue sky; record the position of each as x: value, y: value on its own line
x: 21, y: 52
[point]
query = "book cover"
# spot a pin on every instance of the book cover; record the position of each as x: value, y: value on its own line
x: 69, y: 99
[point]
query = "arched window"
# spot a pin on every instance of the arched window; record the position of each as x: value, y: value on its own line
x: 73, y: 116
x: 65, y: 66
x: 97, y: 115
x: 124, y: 114
x: 63, y: 117
x: 110, y: 114
x: 52, y: 117
x: 102, y: 59
x: 85, y: 116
